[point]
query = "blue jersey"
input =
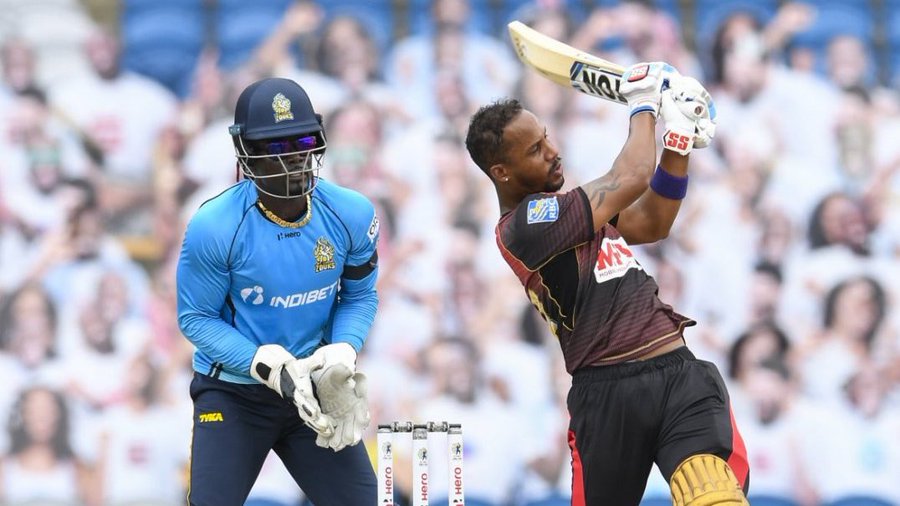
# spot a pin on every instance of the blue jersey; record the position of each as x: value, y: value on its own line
x: 244, y: 281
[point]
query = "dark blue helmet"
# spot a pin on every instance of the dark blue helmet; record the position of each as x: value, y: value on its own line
x: 274, y: 121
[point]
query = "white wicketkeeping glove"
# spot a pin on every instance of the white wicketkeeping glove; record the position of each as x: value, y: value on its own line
x: 276, y: 368
x: 689, y: 114
x: 342, y: 394
x: 643, y: 83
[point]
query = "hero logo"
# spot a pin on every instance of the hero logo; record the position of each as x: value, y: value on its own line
x: 388, y: 485
x: 423, y: 488
x: 614, y: 258
x: 303, y: 298
x: 257, y: 290
x: 457, y: 482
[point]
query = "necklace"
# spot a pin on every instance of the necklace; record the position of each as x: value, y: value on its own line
x: 284, y: 223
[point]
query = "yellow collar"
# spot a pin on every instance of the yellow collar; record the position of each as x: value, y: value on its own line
x: 284, y: 223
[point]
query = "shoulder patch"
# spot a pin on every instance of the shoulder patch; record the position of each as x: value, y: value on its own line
x: 544, y: 210
x: 373, y: 229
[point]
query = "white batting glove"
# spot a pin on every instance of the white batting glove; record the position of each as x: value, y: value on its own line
x: 276, y: 368
x: 643, y: 83
x: 342, y: 394
x: 689, y: 115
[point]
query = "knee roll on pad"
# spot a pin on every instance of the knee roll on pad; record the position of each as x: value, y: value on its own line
x: 706, y: 480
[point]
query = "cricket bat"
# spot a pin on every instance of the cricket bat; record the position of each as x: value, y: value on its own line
x: 565, y: 65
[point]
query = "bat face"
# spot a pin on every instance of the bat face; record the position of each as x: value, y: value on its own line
x: 565, y: 65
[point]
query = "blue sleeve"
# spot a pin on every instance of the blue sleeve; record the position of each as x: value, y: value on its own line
x: 358, y: 298
x: 202, y: 283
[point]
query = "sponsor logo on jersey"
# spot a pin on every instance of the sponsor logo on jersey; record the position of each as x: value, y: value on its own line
x: 287, y: 235
x: 303, y: 298
x: 255, y: 293
x: 282, y: 107
x: 543, y: 210
x: 373, y: 229
x: 614, y: 259
x: 324, y: 254
x: 211, y: 417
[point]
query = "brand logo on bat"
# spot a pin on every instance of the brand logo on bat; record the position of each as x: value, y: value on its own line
x: 597, y: 82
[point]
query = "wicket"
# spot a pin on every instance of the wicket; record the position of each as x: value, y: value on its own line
x: 420, y: 432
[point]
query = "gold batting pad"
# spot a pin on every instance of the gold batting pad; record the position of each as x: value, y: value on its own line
x: 706, y: 480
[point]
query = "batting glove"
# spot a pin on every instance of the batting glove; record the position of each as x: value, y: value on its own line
x: 276, y: 368
x: 689, y: 115
x: 343, y: 395
x: 643, y: 83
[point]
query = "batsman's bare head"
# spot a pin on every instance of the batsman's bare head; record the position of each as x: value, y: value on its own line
x: 510, y: 145
x: 484, y: 139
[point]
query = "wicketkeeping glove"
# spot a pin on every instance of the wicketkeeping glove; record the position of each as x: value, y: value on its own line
x: 689, y: 115
x: 276, y: 368
x: 342, y: 394
x: 643, y: 83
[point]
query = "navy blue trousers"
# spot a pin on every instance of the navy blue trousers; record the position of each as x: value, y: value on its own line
x: 236, y: 425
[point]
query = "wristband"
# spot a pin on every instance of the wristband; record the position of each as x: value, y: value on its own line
x: 644, y: 108
x: 667, y: 185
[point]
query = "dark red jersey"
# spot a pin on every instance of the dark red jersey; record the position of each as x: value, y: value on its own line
x: 598, y: 300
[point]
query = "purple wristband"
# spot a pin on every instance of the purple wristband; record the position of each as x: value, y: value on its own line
x: 667, y: 185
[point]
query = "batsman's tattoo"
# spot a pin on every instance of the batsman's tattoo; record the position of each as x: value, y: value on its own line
x: 597, y: 188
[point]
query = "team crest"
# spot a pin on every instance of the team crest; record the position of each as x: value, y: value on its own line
x: 282, y: 107
x: 543, y: 210
x: 324, y: 254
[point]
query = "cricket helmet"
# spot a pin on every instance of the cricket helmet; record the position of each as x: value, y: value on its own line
x: 274, y: 121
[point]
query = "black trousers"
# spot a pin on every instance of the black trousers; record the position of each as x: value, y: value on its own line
x: 236, y: 425
x: 627, y: 416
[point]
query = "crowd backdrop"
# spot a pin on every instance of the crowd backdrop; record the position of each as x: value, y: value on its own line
x: 113, y: 130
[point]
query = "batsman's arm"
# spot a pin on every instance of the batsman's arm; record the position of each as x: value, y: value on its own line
x: 202, y: 282
x: 650, y: 218
x: 630, y: 174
